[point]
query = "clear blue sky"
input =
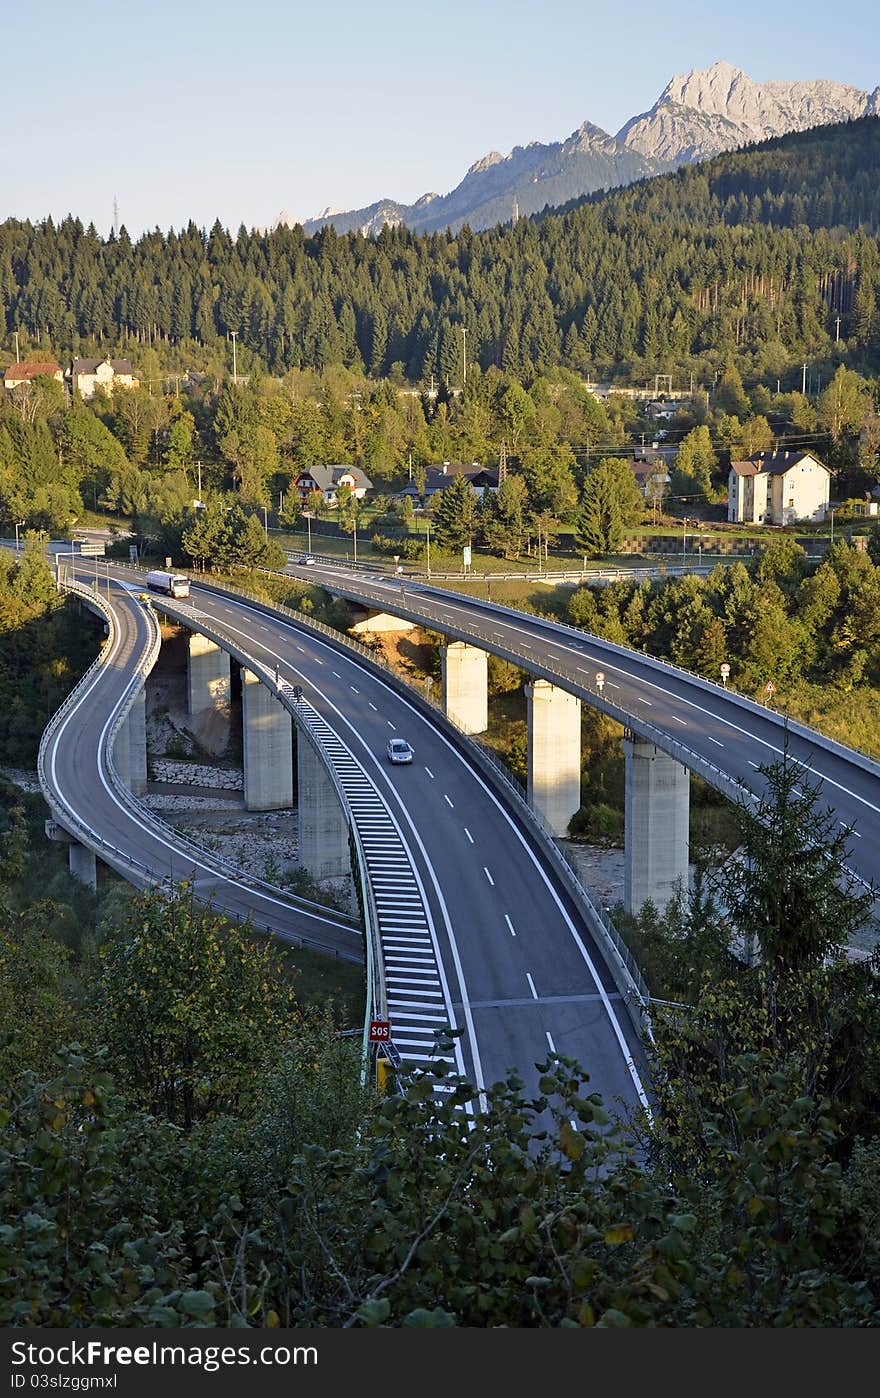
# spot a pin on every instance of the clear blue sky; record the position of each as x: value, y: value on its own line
x: 237, y: 111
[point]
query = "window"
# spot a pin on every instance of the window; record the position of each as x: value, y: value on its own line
x: 791, y: 503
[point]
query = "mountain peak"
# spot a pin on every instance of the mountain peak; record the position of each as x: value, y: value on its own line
x: 486, y: 162
x: 712, y: 109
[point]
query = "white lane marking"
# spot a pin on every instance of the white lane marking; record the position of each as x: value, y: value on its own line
x: 529, y: 855
x: 612, y: 685
x: 510, y: 925
x: 640, y: 700
x: 448, y: 802
x: 531, y: 985
x: 318, y: 662
x: 716, y: 741
x: 469, y: 835
x: 353, y: 690
x: 752, y: 764
x: 488, y: 876
x: 144, y: 825
x: 550, y: 1041
x: 337, y: 674
x: 430, y: 773
x: 692, y: 704
x: 682, y: 721
x: 395, y: 795
x: 372, y: 706
x: 390, y: 724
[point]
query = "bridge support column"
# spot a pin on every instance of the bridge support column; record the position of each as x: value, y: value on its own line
x: 122, y: 753
x: 554, y: 754
x: 136, y: 723
x: 207, y: 674
x: 657, y: 838
x: 465, y: 694
x: 268, y: 747
x: 323, y: 829
x: 81, y: 862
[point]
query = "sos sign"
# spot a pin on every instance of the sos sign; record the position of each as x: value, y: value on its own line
x: 380, y: 1031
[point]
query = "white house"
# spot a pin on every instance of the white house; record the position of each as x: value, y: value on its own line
x: 778, y: 487
x: 28, y: 370
x: 328, y: 479
x: 88, y: 375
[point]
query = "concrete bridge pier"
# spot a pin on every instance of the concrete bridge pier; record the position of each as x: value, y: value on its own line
x: 323, y: 828
x: 136, y: 723
x: 465, y: 692
x: 554, y: 754
x: 268, y: 747
x: 122, y: 753
x: 82, y: 864
x: 207, y: 674
x: 80, y: 859
x: 657, y: 808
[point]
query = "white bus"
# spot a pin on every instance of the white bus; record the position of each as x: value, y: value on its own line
x: 172, y: 584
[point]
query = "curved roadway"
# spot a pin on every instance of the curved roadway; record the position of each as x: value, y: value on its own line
x: 520, y: 973
x: 714, y: 732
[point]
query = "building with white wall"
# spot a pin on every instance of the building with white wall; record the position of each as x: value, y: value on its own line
x: 778, y: 487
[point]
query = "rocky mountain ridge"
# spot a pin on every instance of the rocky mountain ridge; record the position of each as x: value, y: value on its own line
x: 698, y: 114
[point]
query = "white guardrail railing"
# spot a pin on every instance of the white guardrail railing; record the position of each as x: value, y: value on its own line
x: 113, y: 854
x: 621, y: 962
x: 324, y: 740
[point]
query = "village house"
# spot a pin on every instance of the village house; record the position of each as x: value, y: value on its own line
x: 328, y: 479
x: 28, y: 370
x: 89, y: 375
x: 438, y: 477
x: 778, y: 487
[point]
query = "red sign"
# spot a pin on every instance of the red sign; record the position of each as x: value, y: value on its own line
x: 725, y: 669
x: 769, y: 687
x: 600, y: 678
x: 380, y: 1031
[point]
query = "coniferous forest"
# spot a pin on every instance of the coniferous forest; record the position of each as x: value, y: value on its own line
x: 754, y: 253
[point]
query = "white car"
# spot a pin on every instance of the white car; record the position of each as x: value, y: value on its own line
x: 399, y: 751
x: 305, y: 558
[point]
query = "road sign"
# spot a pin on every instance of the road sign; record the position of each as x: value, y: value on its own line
x: 725, y: 671
x: 91, y: 550
x: 132, y: 553
x: 466, y: 555
x: 600, y: 680
x: 380, y: 1031
x: 769, y: 687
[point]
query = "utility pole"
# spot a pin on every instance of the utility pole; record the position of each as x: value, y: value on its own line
x: 804, y: 382
x: 17, y: 353
x: 233, y: 333
x: 464, y: 356
x: 837, y: 336
x: 502, y: 462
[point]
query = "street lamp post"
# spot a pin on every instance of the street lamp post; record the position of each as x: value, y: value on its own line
x: 831, y: 513
x: 354, y: 535
x: 265, y: 522
x: 307, y: 516
x: 428, y: 528
x: 18, y: 524
x: 684, y: 527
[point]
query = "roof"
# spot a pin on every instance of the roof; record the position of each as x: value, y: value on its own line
x: 650, y: 466
x: 88, y: 366
x: 328, y: 477
x: 439, y: 477
x: 29, y: 369
x: 774, y: 463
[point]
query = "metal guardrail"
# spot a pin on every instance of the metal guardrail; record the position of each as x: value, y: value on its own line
x: 622, y: 963
x: 113, y: 854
